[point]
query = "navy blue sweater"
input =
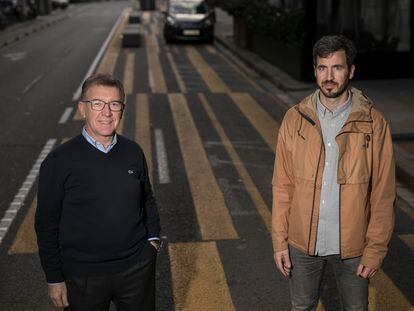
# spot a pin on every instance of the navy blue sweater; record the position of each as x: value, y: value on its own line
x: 95, y: 211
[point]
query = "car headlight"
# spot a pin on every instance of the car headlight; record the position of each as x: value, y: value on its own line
x: 170, y: 20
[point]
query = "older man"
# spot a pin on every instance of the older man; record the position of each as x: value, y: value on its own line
x: 97, y: 222
x: 333, y: 185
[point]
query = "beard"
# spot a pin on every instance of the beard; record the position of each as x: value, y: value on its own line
x: 334, y: 94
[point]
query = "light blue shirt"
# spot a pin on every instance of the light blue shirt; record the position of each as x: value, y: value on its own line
x: 327, y: 242
x: 97, y: 144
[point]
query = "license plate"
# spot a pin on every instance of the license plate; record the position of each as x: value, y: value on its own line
x: 191, y: 32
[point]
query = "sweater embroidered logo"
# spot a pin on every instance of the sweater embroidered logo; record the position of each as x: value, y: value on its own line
x: 130, y: 172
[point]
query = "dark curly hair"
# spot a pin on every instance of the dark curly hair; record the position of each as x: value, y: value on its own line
x: 331, y: 44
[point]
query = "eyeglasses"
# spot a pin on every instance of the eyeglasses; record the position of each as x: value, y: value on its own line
x: 99, y: 105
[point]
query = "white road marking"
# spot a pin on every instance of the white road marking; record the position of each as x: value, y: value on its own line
x: 19, y: 198
x: 31, y: 84
x: 15, y: 56
x: 98, y: 57
x: 65, y: 116
x: 163, y: 173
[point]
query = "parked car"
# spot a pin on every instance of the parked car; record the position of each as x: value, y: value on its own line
x: 19, y: 10
x: 60, y: 4
x: 189, y: 20
x: 3, y: 20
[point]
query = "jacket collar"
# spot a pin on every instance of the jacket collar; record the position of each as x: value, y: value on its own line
x: 360, y: 109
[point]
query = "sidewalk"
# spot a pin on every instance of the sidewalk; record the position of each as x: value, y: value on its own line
x: 392, y: 97
x: 20, y: 30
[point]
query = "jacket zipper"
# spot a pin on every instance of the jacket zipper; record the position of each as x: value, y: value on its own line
x: 309, y: 119
x: 340, y: 227
x: 313, y: 199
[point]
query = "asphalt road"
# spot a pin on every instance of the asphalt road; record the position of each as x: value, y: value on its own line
x: 208, y: 128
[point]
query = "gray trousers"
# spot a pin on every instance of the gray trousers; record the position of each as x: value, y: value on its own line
x: 306, y: 277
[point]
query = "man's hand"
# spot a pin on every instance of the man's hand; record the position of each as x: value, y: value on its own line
x: 58, y: 294
x: 283, y: 263
x: 156, y: 244
x: 366, y: 272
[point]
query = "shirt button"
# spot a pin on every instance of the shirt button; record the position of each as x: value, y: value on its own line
x: 329, y: 144
x: 326, y: 163
x: 332, y: 124
x: 323, y: 201
x: 325, y: 183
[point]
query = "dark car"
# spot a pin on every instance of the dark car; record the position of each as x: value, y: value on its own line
x: 189, y: 20
x: 18, y: 10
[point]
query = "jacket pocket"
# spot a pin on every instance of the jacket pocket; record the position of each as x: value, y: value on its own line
x: 355, y: 162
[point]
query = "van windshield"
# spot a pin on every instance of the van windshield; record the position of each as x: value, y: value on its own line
x: 188, y: 7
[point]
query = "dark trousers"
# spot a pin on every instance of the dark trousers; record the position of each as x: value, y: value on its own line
x: 130, y: 290
x: 306, y: 278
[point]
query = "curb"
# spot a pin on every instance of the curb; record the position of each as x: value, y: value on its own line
x: 404, y: 161
x: 278, y: 77
x: 31, y: 29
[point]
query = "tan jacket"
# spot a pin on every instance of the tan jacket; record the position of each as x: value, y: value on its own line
x: 366, y: 177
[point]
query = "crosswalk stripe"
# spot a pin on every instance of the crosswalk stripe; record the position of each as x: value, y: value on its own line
x: 142, y: 129
x: 210, y: 77
x: 155, y: 73
x: 25, y: 241
x: 265, y: 125
x: 211, y: 49
x: 384, y: 295
x: 401, y: 204
x: 251, y: 188
x: 408, y: 240
x: 177, y: 75
x: 110, y: 58
x: 128, y: 80
x: 212, y: 214
x: 226, y: 57
x: 77, y: 116
x: 198, y: 277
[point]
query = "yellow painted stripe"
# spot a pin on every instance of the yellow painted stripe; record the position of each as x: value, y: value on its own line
x: 177, y: 75
x: 211, y: 49
x: 240, y: 72
x: 258, y: 117
x: 77, y: 116
x: 384, y: 295
x: 25, y: 241
x: 408, y: 239
x: 155, y: 73
x: 212, y: 214
x: 175, y: 49
x: 210, y: 77
x: 405, y: 208
x: 146, y: 17
x: 107, y: 65
x: 142, y: 129
x: 198, y: 278
x: 251, y: 188
x: 65, y: 139
x: 128, y: 80
x: 154, y: 29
